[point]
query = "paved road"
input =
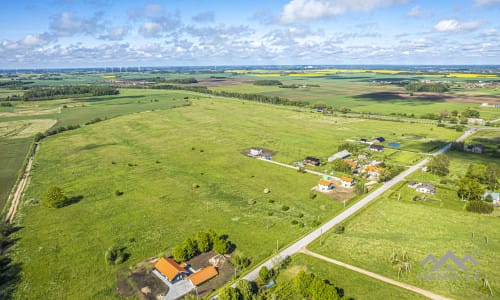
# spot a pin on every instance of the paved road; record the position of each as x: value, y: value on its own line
x: 306, y: 240
x: 376, y: 276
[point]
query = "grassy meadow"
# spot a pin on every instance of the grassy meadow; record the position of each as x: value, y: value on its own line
x: 356, y: 286
x: 154, y: 158
x: 420, y: 228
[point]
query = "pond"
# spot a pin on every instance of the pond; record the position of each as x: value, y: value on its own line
x: 393, y: 144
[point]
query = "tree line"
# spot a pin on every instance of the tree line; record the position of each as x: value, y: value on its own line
x: 44, y: 93
x: 203, y: 241
x: 250, y: 97
x: 427, y: 87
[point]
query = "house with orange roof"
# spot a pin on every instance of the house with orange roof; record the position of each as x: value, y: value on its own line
x: 325, y: 185
x: 170, y: 269
x: 203, y: 275
x: 352, y: 163
x: 346, y: 181
x: 373, y: 170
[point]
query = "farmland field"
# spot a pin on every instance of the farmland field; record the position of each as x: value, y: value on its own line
x: 420, y: 228
x: 154, y: 158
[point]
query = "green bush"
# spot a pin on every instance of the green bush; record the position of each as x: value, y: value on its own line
x: 285, y: 207
x: 339, y: 229
x: 479, y: 207
x: 54, y: 197
x: 115, y: 255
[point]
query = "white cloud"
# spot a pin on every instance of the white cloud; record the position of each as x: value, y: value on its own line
x: 115, y: 34
x: 452, y: 25
x: 307, y: 10
x: 68, y: 24
x: 207, y: 16
x: 487, y: 2
x: 417, y: 12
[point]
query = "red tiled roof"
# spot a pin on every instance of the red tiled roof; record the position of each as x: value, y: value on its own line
x: 203, y: 275
x: 169, y: 268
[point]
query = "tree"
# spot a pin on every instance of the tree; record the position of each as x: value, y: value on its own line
x: 470, y: 189
x: 470, y: 113
x: 190, y: 248
x: 477, y: 171
x: 54, y: 197
x: 179, y: 253
x: 351, y: 147
x: 115, y: 255
x: 341, y: 166
x: 439, y: 165
x: 492, y: 175
x: 264, y: 274
x: 246, y: 289
x: 479, y: 207
x: 203, y: 241
x: 359, y: 187
x: 221, y: 245
x: 229, y: 293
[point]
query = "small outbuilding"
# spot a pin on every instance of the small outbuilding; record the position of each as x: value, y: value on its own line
x: 495, y: 197
x: 255, y: 152
x: 379, y: 139
x: 339, y: 155
x: 203, y: 275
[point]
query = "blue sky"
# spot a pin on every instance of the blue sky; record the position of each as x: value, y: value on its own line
x: 88, y: 33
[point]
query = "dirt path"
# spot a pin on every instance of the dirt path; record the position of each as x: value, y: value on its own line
x: 375, y: 276
x: 19, y: 192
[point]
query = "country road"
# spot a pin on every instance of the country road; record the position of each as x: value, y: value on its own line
x: 309, y: 238
x: 19, y: 192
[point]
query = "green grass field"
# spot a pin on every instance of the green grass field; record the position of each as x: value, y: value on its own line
x: 421, y: 228
x: 355, y: 285
x: 13, y: 153
x: 196, y: 144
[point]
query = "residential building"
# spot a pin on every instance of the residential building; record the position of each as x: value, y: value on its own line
x: 377, y: 148
x: 346, y: 181
x: 203, y: 275
x: 170, y: 269
x: 426, y: 188
x: 312, y: 161
x: 325, y: 185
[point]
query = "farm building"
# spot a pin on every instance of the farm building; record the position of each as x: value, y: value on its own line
x: 325, y: 185
x: 377, y: 148
x: 339, y: 155
x: 312, y: 161
x: 495, y: 197
x: 255, y: 152
x: 373, y: 170
x: 426, y: 188
x: 363, y: 140
x: 346, y: 181
x: 170, y: 269
x: 203, y: 275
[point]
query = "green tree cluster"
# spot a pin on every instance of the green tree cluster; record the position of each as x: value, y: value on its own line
x: 479, y: 207
x: 42, y: 93
x: 439, y: 165
x: 54, y: 197
x: 203, y: 241
x: 427, y: 87
x: 340, y: 165
x: 268, y: 82
x: 310, y: 286
x: 470, y: 189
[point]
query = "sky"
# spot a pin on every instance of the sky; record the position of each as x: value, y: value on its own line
x: 106, y: 33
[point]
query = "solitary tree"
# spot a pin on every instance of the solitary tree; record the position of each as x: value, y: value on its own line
x: 439, y: 165
x: 54, y: 197
x: 264, y: 274
x: 470, y: 189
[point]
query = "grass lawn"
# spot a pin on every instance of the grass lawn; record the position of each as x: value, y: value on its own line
x: 421, y: 228
x: 356, y: 286
x: 157, y: 157
x: 13, y: 153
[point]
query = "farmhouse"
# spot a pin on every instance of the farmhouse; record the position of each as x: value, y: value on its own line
x: 325, y: 185
x: 479, y: 148
x: 373, y: 170
x: 352, y: 163
x: 203, y: 275
x: 312, y: 161
x: 170, y: 269
x: 412, y: 184
x: 377, y: 148
x: 426, y: 188
x: 346, y: 181
x: 495, y: 197
x: 339, y: 155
